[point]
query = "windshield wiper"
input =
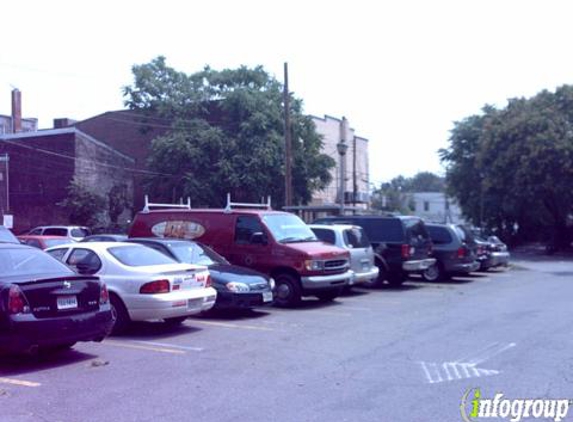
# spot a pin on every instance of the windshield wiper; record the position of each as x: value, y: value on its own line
x: 298, y: 239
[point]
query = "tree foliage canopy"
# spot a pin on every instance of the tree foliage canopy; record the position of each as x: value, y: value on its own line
x: 395, y: 196
x: 227, y: 135
x: 513, y: 167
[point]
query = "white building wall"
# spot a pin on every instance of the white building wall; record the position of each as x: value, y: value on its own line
x: 330, y: 128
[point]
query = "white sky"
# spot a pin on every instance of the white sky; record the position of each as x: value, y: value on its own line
x: 400, y: 71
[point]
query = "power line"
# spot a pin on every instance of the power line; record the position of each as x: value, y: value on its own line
x: 99, y: 163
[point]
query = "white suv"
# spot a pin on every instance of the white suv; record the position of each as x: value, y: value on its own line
x: 354, y: 240
x: 75, y: 233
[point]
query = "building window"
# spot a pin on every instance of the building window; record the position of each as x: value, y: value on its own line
x: 426, y: 205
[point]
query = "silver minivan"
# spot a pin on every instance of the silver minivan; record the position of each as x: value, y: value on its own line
x: 353, y: 239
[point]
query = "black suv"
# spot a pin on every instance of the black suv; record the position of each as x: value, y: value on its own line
x: 455, y: 252
x: 402, y: 244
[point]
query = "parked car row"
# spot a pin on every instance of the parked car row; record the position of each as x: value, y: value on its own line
x: 177, y: 261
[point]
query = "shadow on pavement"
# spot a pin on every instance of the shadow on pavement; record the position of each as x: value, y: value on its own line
x: 23, y: 364
x: 156, y: 330
x: 232, y: 314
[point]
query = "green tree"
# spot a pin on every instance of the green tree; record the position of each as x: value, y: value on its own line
x: 513, y: 167
x: 118, y: 201
x: 82, y: 206
x: 227, y: 135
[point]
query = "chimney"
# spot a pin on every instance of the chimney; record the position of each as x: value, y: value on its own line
x: 16, y: 111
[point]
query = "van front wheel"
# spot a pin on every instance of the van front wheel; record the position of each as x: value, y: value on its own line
x: 288, y: 291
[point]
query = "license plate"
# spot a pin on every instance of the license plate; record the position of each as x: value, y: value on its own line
x: 267, y: 296
x: 194, y: 303
x: 67, y: 302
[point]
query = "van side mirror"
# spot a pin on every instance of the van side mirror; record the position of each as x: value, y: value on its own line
x: 258, y: 238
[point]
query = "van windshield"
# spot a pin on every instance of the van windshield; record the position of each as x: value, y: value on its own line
x: 288, y: 228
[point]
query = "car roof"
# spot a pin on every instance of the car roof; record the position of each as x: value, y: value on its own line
x: 96, y: 246
x: 159, y: 239
x: 40, y: 236
x: 248, y: 211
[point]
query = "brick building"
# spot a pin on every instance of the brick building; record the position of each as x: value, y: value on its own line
x: 42, y: 165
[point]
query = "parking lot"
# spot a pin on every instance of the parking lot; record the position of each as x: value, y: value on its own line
x: 387, y: 354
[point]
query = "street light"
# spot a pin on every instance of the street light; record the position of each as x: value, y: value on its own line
x: 341, y: 147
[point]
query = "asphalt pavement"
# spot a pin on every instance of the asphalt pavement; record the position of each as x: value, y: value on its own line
x: 391, y: 354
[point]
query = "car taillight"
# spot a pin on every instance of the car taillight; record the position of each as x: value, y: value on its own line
x: 17, y: 303
x: 461, y: 252
x: 157, y: 286
x: 208, y: 282
x: 103, y: 295
x: 405, y: 251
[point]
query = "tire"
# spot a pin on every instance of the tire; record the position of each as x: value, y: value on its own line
x: 328, y: 296
x: 288, y: 290
x: 174, y: 322
x: 396, y: 280
x: 433, y: 273
x: 119, y: 313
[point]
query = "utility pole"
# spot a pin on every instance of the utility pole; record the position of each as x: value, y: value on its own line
x: 354, y: 181
x: 288, y: 141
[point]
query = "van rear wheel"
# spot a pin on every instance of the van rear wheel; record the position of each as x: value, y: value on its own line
x: 288, y: 291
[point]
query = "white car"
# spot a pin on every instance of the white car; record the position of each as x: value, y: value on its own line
x: 354, y: 240
x: 75, y: 233
x: 143, y: 283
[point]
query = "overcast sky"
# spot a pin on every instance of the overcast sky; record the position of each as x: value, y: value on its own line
x: 401, y: 71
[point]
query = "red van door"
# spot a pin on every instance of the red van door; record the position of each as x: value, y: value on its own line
x: 251, y: 244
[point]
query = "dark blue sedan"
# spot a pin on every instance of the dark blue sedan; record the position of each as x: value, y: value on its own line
x: 237, y: 287
x: 45, y: 305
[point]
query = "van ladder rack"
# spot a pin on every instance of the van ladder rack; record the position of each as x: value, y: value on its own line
x: 262, y: 205
x: 148, y: 205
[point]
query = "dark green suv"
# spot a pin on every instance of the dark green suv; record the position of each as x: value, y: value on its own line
x: 401, y: 244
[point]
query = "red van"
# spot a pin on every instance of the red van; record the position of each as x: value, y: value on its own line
x: 252, y: 235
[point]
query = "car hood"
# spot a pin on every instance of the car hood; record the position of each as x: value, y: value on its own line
x: 223, y: 274
x: 318, y: 250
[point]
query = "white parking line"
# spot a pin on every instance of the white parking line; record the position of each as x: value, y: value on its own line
x: 169, y: 345
x: 21, y: 383
x: 132, y: 345
x: 229, y: 325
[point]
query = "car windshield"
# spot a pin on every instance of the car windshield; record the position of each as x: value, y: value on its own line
x: 193, y: 253
x: 288, y: 228
x: 139, y: 256
x: 29, y: 262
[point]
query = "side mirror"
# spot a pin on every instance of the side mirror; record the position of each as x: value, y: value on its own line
x: 258, y: 238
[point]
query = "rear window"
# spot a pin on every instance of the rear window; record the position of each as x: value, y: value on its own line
x: 7, y: 236
x: 78, y: 232
x: 139, y: 256
x: 356, y: 238
x: 416, y: 228
x: 382, y: 230
x: 55, y: 242
x: 325, y: 235
x: 439, y: 235
x: 28, y: 262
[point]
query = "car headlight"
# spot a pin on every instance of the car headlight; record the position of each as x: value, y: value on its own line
x: 272, y: 283
x: 313, y: 265
x: 237, y: 287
